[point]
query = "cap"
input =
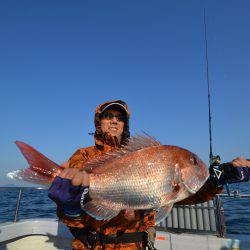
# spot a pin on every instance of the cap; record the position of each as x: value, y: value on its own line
x: 115, y: 106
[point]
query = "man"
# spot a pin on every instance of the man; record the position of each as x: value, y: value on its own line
x: 112, y: 131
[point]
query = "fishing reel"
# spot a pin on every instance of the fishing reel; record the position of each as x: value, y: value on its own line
x: 215, y: 161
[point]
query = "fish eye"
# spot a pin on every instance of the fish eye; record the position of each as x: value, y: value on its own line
x: 193, y: 160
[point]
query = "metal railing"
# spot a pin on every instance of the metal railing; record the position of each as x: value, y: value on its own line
x: 235, y: 194
x: 219, y: 216
x: 20, y: 192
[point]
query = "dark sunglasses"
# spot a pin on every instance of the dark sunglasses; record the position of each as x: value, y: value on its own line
x: 110, y: 116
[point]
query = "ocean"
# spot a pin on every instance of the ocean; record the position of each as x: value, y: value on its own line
x: 36, y: 204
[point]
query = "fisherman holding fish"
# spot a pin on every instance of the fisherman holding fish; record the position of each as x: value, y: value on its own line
x: 112, y: 195
x: 129, y: 229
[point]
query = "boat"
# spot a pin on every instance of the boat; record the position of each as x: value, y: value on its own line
x: 188, y: 227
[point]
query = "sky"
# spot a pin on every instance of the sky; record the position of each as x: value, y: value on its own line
x: 61, y: 59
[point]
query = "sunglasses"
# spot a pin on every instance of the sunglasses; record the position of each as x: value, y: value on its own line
x: 110, y: 116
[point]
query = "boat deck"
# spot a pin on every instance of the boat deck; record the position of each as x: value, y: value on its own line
x: 50, y: 234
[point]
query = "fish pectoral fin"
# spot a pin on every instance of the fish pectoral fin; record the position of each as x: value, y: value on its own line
x: 99, y: 212
x: 162, y: 213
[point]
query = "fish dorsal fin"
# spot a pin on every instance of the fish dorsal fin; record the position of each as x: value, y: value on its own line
x: 163, y: 213
x: 136, y: 143
x: 99, y: 212
x: 142, y: 141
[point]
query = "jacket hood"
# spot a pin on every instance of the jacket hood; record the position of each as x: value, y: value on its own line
x: 102, y: 139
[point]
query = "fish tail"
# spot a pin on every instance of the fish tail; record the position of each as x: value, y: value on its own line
x: 30, y: 176
x: 41, y: 170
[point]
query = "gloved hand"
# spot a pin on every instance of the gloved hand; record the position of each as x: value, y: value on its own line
x: 67, y: 196
x: 227, y: 173
x: 233, y: 174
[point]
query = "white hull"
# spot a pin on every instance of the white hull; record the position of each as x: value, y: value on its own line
x: 50, y: 234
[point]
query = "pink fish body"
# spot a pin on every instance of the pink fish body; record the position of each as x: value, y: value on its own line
x: 142, y: 175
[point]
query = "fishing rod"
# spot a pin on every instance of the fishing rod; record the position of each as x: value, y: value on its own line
x: 217, y: 169
x: 214, y: 160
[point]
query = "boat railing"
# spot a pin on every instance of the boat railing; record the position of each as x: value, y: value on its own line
x: 177, y: 219
x: 202, y: 218
x: 20, y: 192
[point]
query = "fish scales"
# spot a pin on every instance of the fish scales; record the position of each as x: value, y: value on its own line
x: 139, y: 180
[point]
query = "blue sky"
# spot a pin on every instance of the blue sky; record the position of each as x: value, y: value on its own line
x: 60, y: 59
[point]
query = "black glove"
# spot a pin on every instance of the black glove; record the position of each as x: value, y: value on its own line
x: 227, y: 173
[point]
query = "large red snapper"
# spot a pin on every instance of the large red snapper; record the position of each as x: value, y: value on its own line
x: 142, y: 175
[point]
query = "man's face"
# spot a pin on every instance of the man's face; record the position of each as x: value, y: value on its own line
x: 112, y: 122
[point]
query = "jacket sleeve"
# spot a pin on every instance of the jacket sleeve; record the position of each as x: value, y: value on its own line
x: 75, y: 161
x: 206, y: 193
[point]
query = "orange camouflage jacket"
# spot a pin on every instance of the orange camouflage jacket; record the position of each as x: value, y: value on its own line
x: 143, y: 220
